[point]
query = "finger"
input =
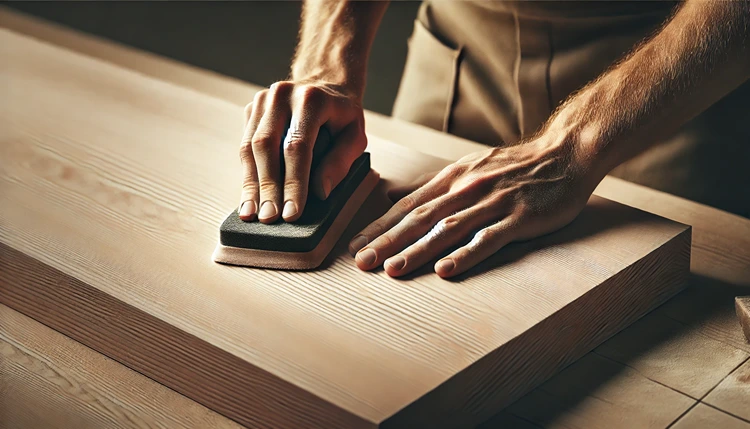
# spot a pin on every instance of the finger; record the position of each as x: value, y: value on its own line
x: 447, y: 233
x: 411, y: 228
x: 310, y: 112
x: 398, y: 192
x: 396, y: 213
x: 248, y: 207
x: 349, y: 145
x: 265, y: 145
x: 484, y: 244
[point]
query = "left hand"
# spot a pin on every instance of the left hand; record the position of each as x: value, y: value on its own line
x: 488, y: 199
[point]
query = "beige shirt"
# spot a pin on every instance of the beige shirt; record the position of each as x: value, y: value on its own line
x: 493, y: 72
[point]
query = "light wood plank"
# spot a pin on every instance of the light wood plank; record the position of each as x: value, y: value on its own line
x: 703, y: 417
x: 733, y: 394
x: 596, y: 392
x: 50, y: 381
x: 669, y: 352
x: 117, y: 183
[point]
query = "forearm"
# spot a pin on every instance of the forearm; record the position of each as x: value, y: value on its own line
x: 699, y: 56
x: 335, y: 40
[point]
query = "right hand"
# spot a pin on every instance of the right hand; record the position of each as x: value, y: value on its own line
x: 306, y: 106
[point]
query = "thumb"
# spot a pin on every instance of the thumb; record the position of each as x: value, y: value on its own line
x: 347, y: 147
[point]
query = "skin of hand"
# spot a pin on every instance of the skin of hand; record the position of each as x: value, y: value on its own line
x: 305, y: 106
x: 325, y: 87
x: 489, y: 199
x: 478, y: 204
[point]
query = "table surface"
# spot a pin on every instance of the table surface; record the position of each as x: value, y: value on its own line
x: 683, y: 365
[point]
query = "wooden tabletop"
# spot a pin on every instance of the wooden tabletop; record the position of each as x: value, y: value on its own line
x: 686, y: 362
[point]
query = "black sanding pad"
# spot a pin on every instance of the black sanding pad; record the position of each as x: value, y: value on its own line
x: 302, y: 235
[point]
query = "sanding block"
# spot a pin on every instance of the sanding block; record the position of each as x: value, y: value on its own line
x: 305, y: 243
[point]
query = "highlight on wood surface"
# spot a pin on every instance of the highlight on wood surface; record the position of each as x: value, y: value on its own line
x: 113, y: 185
x: 742, y: 307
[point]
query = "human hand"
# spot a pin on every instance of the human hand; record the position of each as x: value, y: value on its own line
x: 305, y: 106
x: 480, y: 203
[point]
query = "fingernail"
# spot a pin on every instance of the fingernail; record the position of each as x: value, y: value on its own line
x: 247, y: 209
x: 290, y: 209
x: 267, y: 210
x: 357, y: 243
x: 367, y: 257
x: 446, y: 266
x: 327, y: 186
x: 396, y: 262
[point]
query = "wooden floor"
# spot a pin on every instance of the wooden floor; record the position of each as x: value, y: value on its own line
x: 686, y: 362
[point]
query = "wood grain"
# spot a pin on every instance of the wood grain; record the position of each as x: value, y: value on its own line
x: 668, y: 352
x: 733, y: 393
x: 702, y: 417
x: 598, y: 393
x: 50, y: 381
x: 117, y: 182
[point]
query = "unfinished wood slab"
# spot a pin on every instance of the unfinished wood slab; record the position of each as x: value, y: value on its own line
x: 114, y: 185
x: 703, y: 417
x: 670, y: 353
x: 733, y: 393
x: 596, y: 392
x: 51, y: 381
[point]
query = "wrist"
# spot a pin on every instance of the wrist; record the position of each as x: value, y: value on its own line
x: 338, y: 61
x: 343, y: 79
x: 580, y: 148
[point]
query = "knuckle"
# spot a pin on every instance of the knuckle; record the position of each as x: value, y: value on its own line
x: 267, y: 186
x: 422, y: 214
x: 497, y: 199
x: 280, y: 93
x: 450, y: 223
x: 480, y: 237
x: 452, y: 171
x: 522, y: 211
x: 311, y: 94
x: 282, y: 87
x: 296, y: 145
x: 374, y: 229
x: 475, y: 185
x: 294, y: 186
x: 250, y: 186
x: 258, y: 99
x: 246, y: 148
x: 384, y: 241
x: 248, y: 109
x: 486, y: 234
x: 264, y: 142
x: 407, y: 203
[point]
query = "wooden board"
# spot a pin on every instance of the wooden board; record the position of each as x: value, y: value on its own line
x: 50, y: 381
x: 578, y: 398
x: 733, y: 393
x: 703, y: 416
x: 113, y: 186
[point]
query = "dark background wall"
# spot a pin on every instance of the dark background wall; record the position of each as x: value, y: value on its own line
x: 253, y: 41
